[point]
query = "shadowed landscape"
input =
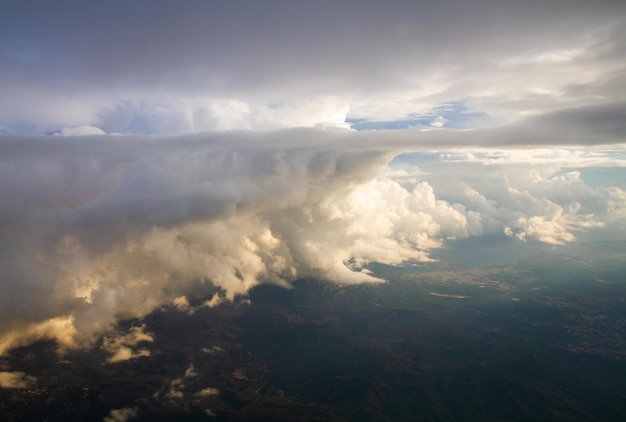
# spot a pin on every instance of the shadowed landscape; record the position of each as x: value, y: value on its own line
x: 536, y: 341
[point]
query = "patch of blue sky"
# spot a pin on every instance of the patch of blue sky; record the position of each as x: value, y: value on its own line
x: 600, y: 176
x: 455, y: 115
x: 362, y: 124
x: 414, y: 159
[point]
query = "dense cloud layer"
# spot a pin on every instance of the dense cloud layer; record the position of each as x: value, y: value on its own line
x: 103, y: 227
x: 156, y: 67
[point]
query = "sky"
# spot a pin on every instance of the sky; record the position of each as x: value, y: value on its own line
x: 153, y: 153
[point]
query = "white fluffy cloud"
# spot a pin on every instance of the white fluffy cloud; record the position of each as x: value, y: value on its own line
x: 529, y: 194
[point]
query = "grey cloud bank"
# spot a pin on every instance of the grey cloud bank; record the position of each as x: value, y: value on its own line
x: 160, y: 67
x: 104, y: 227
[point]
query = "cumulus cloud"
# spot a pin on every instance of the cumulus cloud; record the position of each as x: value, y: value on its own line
x: 182, y: 304
x: 124, y: 346
x: 215, y: 300
x: 122, y: 415
x: 16, y: 380
x: 208, y: 392
x: 174, y: 391
x: 529, y: 194
x: 100, y: 228
x: 61, y: 328
x: 107, y: 231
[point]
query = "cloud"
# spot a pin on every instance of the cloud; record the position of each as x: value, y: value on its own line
x: 215, y: 300
x: 216, y: 66
x: 16, y: 380
x: 192, y: 115
x: 212, y: 349
x: 123, y: 346
x: 208, y: 392
x: 174, y: 392
x: 122, y: 415
x: 15, y: 334
x: 529, y: 194
x: 84, y: 130
x: 183, y: 393
x: 190, y: 371
x: 182, y: 304
x: 515, y: 114
x: 106, y: 231
x: 101, y: 228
